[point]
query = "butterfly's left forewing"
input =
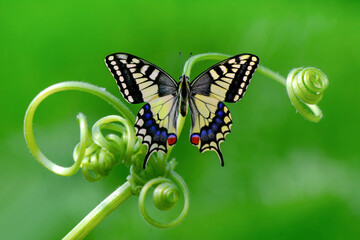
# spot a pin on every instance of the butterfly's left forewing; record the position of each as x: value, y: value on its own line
x: 141, y: 81
x: 211, y: 119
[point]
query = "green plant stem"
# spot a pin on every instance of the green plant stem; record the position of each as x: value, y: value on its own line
x: 271, y: 74
x: 201, y: 57
x: 81, y: 230
x: 65, y: 86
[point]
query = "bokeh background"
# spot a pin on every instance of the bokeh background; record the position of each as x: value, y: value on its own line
x: 284, y: 178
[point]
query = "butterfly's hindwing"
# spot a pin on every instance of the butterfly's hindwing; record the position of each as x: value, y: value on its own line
x: 227, y: 80
x: 156, y: 124
x: 210, y: 125
x: 138, y: 80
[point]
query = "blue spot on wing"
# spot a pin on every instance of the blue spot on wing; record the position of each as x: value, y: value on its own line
x: 152, y: 130
x: 210, y: 134
x: 147, y: 115
x: 149, y: 123
x: 220, y: 113
x: 217, y: 121
x: 163, y: 136
x: 203, y: 133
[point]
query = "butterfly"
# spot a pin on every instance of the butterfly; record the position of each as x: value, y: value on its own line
x: 140, y: 81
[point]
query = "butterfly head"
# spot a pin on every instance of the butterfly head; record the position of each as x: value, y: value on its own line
x: 183, y: 79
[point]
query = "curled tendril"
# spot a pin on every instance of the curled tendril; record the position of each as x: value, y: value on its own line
x: 96, y: 154
x: 102, y: 153
x: 305, y: 87
x: 165, y: 197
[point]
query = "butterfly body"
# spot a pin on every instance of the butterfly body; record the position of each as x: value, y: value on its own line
x: 156, y: 123
x: 184, y: 91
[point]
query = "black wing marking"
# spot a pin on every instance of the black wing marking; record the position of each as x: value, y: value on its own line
x: 228, y: 80
x: 139, y: 80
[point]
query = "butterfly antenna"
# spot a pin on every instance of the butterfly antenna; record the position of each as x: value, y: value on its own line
x: 181, y: 61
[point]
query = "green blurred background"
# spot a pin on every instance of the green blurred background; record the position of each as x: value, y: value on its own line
x: 284, y: 177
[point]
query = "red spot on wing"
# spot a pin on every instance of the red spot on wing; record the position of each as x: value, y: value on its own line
x: 171, y: 139
x: 195, y: 139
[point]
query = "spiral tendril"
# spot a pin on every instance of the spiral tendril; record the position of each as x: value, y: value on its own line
x: 102, y: 153
x: 165, y: 197
x: 305, y: 87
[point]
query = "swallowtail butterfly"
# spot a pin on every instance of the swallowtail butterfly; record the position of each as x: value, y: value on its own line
x: 140, y: 81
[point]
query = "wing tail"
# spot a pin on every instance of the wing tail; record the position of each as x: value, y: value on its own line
x: 220, y: 156
x: 147, y: 156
